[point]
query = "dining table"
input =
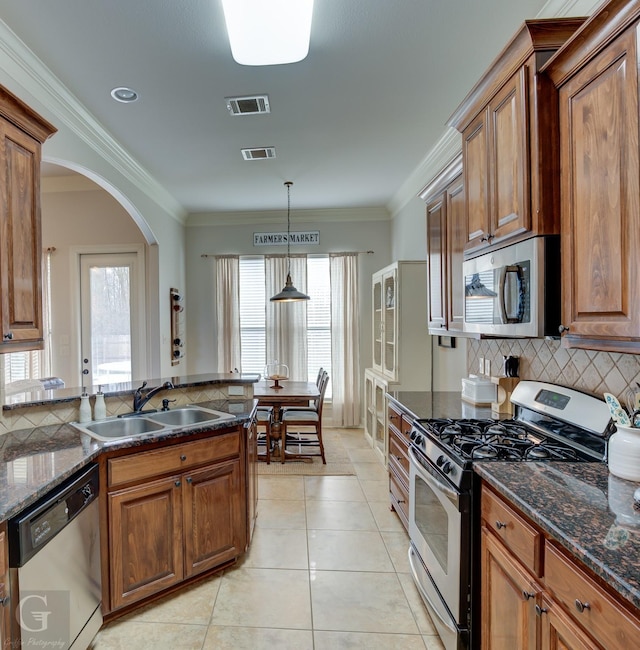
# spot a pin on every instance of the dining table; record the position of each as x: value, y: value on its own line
x: 286, y: 393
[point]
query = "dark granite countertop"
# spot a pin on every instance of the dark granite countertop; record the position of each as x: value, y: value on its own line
x: 427, y: 404
x: 33, y: 461
x: 584, y: 508
x: 60, y: 395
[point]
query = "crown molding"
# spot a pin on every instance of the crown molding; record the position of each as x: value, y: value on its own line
x: 278, y: 217
x: 28, y: 71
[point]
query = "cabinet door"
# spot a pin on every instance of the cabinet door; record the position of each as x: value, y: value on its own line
x: 390, y: 326
x: 20, y: 234
x: 601, y: 197
x: 145, y: 540
x: 559, y: 632
x: 214, y: 516
x: 476, y: 182
x: 509, y: 598
x: 436, y: 262
x: 508, y: 156
x: 252, y: 478
x: 456, y: 239
x: 377, y: 322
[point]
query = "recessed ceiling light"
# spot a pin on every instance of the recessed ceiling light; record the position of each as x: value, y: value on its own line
x: 124, y: 95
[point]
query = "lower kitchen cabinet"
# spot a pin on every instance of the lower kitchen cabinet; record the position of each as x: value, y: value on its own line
x: 172, y: 513
x: 375, y: 427
x: 535, y: 595
x: 399, y: 426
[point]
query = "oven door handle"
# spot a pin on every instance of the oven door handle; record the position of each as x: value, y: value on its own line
x: 433, y: 608
x: 428, y: 478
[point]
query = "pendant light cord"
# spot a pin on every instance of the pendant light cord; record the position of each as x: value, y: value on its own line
x: 288, y: 184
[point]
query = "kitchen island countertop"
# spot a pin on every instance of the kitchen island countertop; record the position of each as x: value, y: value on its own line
x: 584, y: 508
x: 36, y: 460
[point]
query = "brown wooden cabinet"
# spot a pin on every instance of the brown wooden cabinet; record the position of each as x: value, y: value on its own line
x: 535, y: 595
x: 22, y: 133
x: 597, y: 78
x: 509, y: 132
x: 252, y: 477
x: 172, y: 513
x: 399, y: 426
x: 446, y: 238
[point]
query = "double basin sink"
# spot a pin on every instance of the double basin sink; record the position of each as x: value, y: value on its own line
x: 130, y: 426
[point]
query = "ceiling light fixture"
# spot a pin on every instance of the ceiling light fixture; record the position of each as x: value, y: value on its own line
x: 289, y: 293
x: 268, y: 32
x: 124, y: 95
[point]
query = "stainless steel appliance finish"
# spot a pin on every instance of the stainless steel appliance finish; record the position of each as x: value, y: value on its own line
x: 54, y: 560
x: 551, y: 423
x: 515, y: 290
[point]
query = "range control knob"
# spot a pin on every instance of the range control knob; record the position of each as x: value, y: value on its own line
x: 447, y: 467
x: 440, y: 460
x: 412, y: 434
x: 418, y: 439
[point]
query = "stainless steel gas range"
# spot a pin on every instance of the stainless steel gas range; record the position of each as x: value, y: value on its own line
x: 551, y: 423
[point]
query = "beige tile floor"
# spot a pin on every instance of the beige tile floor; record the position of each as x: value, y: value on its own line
x: 327, y: 569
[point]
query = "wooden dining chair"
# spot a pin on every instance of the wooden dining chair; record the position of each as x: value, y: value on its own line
x: 306, y: 418
x: 264, y: 421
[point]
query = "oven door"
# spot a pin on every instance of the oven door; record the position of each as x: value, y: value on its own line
x: 436, y: 521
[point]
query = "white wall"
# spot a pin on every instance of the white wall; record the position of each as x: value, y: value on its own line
x: 207, y: 236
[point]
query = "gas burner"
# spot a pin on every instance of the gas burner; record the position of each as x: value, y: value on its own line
x: 537, y: 452
x: 484, y: 452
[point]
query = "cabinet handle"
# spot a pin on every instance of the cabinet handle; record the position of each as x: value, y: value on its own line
x: 527, y: 595
x: 8, y: 336
x: 484, y: 238
x: 563, y: 328
x: 540, y: 610
x: 401, y: 501
x: 177, y: 483
x: 183, y: 457
x: 500, y: 524
x: 580, y: 606
x: 189, y: 480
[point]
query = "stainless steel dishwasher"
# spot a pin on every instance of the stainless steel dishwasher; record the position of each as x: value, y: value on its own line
x: 54, y: 567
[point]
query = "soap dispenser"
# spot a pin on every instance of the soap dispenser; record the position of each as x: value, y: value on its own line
x: 85, y: 407
x: 99, y: 409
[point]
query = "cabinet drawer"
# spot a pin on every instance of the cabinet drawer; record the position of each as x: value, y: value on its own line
x: 146, y: 464
x: 399, y: 497
x: 587, y: 603
x: 406, y: 425
x: 524, y: 541
x: 398, y: 455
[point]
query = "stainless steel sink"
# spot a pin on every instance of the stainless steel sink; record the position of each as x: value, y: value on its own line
x: 181, y: 417
x: 116, y: 428
x: 120, y: 428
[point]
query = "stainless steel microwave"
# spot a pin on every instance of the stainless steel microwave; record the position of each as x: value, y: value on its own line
x: 515, y: 290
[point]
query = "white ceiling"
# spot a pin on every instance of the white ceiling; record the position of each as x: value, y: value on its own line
x: 350, y: 123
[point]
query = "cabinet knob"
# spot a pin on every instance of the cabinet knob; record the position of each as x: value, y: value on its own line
x: 8, y: 336
x: 540, y: 610
x: 177, y: 483
x: 189, y: 480
x: 580, y: 606
x: 500, y: 524
x: 4, y: 601
x: 527, y: 595
x: 484, y: 238
x: 563, y: 328
x: 183, y: 457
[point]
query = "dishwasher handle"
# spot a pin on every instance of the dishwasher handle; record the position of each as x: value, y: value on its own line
x: 38, y: 524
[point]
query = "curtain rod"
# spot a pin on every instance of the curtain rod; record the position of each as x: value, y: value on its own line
x: 330, y: 253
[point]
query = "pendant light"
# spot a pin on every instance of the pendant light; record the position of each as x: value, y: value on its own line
x: 289, y: 293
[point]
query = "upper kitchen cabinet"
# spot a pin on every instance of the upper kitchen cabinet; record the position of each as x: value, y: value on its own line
x: 446, y: 237
x: 596, y: 74
x: 400, y: 341
x: 22, y: 133
x: 509, y: 132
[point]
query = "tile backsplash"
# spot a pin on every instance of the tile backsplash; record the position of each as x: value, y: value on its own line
x: 546, y: 360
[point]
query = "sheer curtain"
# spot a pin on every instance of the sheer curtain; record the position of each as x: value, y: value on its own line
x: 345, y: 340
x: 228, y: 313
x: 287, y: 321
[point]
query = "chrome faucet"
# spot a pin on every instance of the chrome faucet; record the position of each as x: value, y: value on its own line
x: 139, y: 400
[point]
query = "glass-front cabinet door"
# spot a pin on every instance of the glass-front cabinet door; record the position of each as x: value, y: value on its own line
x: 377, y: 323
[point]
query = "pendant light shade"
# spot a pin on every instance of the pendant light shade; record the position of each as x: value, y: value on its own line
x: 289, y: 293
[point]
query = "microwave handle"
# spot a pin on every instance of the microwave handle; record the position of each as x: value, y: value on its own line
x: 514, y: 268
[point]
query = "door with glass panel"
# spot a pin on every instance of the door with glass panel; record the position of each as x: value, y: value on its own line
x: 112, y: 318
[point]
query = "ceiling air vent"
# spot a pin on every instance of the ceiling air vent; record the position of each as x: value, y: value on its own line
x: 259, y: 153
x: 248, y: 105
